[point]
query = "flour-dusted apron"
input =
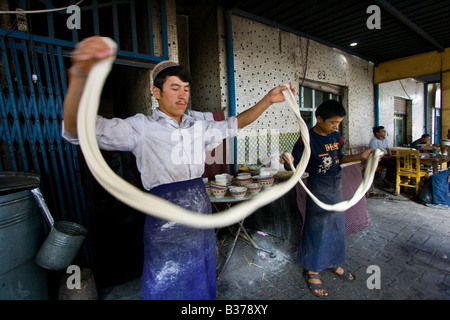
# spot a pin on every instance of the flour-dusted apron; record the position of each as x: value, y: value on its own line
x: 179, y: 261
x: 323, y: 239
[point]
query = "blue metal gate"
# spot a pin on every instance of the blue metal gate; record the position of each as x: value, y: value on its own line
x: 33, y: 70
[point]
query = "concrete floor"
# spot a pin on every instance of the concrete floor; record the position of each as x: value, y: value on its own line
x: 407, y: 241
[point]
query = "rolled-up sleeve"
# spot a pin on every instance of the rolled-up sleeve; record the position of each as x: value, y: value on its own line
x: 68, y: 136
x: 112, y: 134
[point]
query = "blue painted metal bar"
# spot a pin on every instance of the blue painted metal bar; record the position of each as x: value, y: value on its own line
x: 48, y: 117
x: 36, y: 38
x: 10, y: 107
x: 150, y: 27
x: 68, y: 173
x: 95, y: 17
x: 5, y: 133
x: 63, y: 43
x: 38, y: 135
x: 116, y: 23
x: 21, y: 105
x: 73, y: 160
x: 133, y: 25
x: 71, y: 150
x: 230, y: 76
x: 164, y: 29
x: 74, y: 30
x: 50, y: 25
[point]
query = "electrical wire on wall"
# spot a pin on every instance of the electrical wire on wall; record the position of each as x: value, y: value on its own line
x: 404, y: 90
x: 38, y: 11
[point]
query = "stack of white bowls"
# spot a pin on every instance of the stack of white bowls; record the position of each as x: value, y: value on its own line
x: 243, y: 178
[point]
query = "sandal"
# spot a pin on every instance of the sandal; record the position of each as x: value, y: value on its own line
x: 345, y: 275
x: 314, y: 286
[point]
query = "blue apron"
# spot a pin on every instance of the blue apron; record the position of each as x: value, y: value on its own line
x: 323, y: 239
x: 179, y: 261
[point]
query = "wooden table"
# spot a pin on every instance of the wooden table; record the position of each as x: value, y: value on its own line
x: 434, y: 160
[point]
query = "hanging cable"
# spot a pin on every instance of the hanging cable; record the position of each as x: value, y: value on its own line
x: 38, y: 11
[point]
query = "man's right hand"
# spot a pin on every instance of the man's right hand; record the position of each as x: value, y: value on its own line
x: 87, y: 52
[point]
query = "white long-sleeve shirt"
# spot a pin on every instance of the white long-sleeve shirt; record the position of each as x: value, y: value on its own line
x: 165, y: 151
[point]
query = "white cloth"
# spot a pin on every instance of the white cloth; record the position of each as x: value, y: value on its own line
x: 376, y: 143
x: 165, y: 151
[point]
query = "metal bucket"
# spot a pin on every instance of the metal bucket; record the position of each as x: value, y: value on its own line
x: 22, y: 231
x: 61, y: 246
x: 62, y: 243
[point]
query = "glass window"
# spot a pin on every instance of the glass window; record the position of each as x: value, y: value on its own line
x: 307, y: 97
x: 310, y: 99
x: 308, y: 117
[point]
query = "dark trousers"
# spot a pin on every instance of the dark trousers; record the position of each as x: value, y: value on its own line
x: 391, y: 168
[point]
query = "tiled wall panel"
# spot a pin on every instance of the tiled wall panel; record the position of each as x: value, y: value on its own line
x: 266, y: 57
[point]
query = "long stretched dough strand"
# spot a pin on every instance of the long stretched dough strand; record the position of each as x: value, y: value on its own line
x: 156, y: 206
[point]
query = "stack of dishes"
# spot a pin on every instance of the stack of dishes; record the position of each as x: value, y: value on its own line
x: 219, y: 187
x: 218, y: 191
x: 265, y: 181
x: 254, y: 187
x: 238, y: 192
x: 243, y: 178
x: 207, y: 185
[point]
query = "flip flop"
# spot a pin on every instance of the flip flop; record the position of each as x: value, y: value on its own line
x: 314, y: 286
x: 345, y: 275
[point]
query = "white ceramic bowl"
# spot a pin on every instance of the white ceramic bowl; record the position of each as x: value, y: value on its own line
x: 260, y: 178
x: 266, y: 182
x: 243, y: 180
x: 218, y: 191
x: 208, y: 188
x: 238, y: 192
x: 254, y: 187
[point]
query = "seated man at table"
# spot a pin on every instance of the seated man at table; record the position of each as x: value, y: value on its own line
x: 379, y: 142
x: 444, y: 148
x: 424, y: 139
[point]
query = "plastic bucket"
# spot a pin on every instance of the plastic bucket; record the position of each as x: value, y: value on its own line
x: 61, y: 246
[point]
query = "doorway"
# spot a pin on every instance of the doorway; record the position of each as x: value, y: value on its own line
x: 402, y: 125
x: 399, y: 130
